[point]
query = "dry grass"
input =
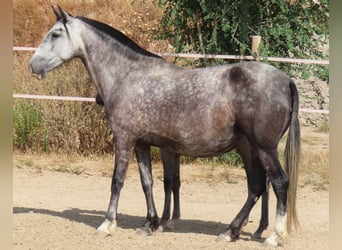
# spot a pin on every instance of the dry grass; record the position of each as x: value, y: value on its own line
x: 136, y: 21
x: 72, y: 127
x: 314, y: 168
x: 314, y: 161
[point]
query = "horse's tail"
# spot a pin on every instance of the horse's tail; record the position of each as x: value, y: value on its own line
x: 292, y: 155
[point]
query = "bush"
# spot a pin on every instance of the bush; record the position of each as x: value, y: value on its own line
x: 232, y: 158
x: 27, y: 123
x: 288, y: 28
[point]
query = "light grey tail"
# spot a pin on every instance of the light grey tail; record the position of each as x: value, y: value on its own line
x: 292, y: 157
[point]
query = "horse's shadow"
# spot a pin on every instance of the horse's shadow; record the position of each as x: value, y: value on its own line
x: 94, y: 218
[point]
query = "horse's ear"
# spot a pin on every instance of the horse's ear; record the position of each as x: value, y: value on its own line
x: 63, y: 14
x: 57, y: 14
x: 60, y: 14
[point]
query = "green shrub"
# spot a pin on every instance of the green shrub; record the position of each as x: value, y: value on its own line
x: 27, y: 123
x: 232, y: 158
x: 288, y: 28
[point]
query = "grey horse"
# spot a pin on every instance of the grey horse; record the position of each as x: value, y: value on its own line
x: 195, y: 112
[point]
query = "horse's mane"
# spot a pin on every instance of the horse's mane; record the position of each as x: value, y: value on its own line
x: 117, y: 35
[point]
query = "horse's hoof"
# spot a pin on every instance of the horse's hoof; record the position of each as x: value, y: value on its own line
x: 107, y: 228
x: 269, y: 244
x: 271, y: 241
x: 226, y: 236
x: 144, y: 231
x: 160, y: 229
x: 256, y: 236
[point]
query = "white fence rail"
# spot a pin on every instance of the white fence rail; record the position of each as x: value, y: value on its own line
x: 90, y: 99
x: 237, y: 57
x: 234, y: 57
x: 55, y: 97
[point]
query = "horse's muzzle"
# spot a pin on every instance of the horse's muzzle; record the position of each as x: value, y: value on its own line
x: 39, y: 76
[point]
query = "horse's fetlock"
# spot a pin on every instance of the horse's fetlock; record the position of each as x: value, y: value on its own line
x: 155, y: 224
x: 235, y: 233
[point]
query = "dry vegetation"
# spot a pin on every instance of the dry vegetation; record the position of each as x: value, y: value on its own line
x: 69, y: 127
x: 136, y: 21
x: 75, y: 128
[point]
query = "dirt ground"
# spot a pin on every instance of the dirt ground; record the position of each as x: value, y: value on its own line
x: 58, y: 203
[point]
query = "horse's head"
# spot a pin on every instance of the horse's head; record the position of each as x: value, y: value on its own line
x: 58, y: 46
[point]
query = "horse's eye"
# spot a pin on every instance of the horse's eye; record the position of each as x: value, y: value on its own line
x: 54, y: 35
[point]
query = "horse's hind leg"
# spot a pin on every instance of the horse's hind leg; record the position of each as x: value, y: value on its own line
x: 171, y: 184
x: 245, y: 151
x: 280, y: 183
x: 264, y: 212
x: 256, y: 180
x: 263, y: 224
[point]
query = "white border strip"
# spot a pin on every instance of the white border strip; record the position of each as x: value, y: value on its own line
x: 90, y: 99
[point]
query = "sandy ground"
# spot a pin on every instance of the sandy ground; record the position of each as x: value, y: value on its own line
x: 61, y: 210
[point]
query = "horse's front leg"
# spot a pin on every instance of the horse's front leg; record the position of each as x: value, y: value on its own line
x: 144, y: 161
x: 122, y: 157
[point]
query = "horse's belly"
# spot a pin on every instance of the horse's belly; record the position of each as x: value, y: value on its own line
x: 195, y: 145
x: 207, y: 148
x: 206, y: 130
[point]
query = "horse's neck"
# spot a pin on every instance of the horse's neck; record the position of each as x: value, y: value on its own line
x: 107, y: 62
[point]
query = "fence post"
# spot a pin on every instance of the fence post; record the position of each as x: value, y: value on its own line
x: 255, y: 46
